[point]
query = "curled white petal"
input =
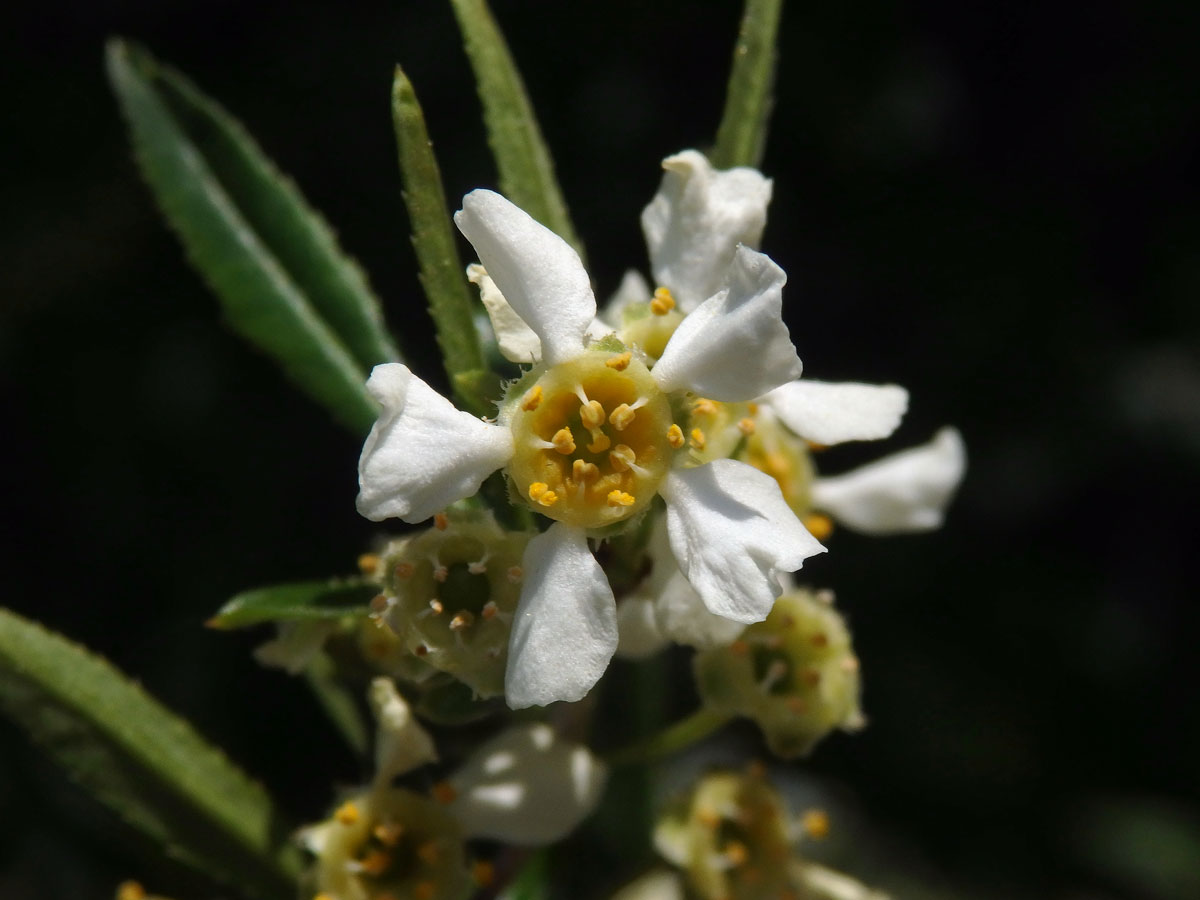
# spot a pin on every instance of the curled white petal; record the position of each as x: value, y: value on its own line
x: 564, y: 631
x: 538, y: 272
x: 422, y: 454
x: 517, y: 341
x: 832, y: 413
x: 526, y: 786
x: 401, y: 744
x: 734, y: 345
x: 733, y: 534
x: 907, y: 491
x: 684, y: 619
x: 695, y: 221
x: 638, y: 634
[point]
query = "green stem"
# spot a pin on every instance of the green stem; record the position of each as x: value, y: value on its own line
x: 671, y: 739
x: 742, y: 134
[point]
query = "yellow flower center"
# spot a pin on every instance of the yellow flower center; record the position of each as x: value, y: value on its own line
x: 592, y: 440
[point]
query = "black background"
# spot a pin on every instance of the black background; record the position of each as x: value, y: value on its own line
x: 990, y: 203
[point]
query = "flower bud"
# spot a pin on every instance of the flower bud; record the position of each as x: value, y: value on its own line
x: 795, y: 674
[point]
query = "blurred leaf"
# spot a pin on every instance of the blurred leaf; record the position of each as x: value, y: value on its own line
x: 532, y: 882
x: 526, y: 169
x: 142, y: 761
x: 450, y: 301
x: 302, y: 600
x: 451, y: 702
x: 742, y: 134
x: 283, y: 284
x: 338, y: 702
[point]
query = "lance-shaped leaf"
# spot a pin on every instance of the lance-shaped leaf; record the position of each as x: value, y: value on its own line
x: 742, y: 134
x: 450, y: 302
x: 283, y: 283
x: 526, y: 169
x: 332, y: 599
x: 143, y: 762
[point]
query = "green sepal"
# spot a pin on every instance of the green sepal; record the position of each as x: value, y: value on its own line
x: 335, y: 598
x: 451, y: 301
x: 142, y: 761
x: 742, y: 134
x: 283, y: 283
x: 522, y: 159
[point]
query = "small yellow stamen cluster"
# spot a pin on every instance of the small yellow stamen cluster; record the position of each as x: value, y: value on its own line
x: 663, y: 302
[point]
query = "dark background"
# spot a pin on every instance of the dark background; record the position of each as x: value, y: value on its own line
x: 990, y: 203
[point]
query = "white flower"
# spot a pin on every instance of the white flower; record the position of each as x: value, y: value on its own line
x: 588, y: 438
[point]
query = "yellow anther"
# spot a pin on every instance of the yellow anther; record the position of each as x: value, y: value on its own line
x: 130, y: 890
x: 429, y: 853
x: 675, y: 436
x: 776, y: 465
x: 347, y: 813
x: 532, y: 399
x: 479, y: 567
x: 698, y: 440
x: 444, y: 792
x: 819, y: 526
x: 441, y: 522
x: 753, y: 407
x: 376, y: 862
x: 515, y: 574
x: 490, y: 611
x: 425, y: 890
x: 388, y: 833
x: 583, y: 471
x: 816, y: 824
x: 600, y: 442
x: 663, y: 302
x: 736, y: 853
x: 564, y: 441
x: 704, y: 407
x: 622, y: 458
x: 440, y: 573
x: 746, y: 426
x: 620, y: 498
x: 483, y: 873
x: 464, y: 618
x: 619, y: 362
x: 368, y: 563
x: 436, y: 605
x: 591, y: 414
x: 622, y: 417
x: 540, y: 493
x: 820, y: 639
x: 404, y: 570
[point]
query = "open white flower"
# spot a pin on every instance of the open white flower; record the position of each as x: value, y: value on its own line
x: 588, y: 438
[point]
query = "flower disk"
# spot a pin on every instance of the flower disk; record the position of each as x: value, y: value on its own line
x: 591, y: 440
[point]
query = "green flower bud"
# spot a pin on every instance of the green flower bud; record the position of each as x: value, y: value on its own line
x: 450, y: 593
x: 795, y: 674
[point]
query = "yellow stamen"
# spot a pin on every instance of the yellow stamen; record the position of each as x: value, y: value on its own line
x: 815, y: 447
x: 483, y: 873
x: 564, y: 441
x: 130, y: 890
x: 532, y: 399
x: 368, y: 563
x: 347, y: 813
x: 490, y: 611
x: 736, y: 853
x: 621, y: 417
x: 704, y: 407
x: 444, y: 792
x: 436, y: 605
x: 376, y: 862
x: 441, y: 522
x: 622, y: 458
x: 816, y: 824
x: 584, y: 472
x: 620, y: 498
x: 675, y: 436
x: 820, y: 639
x: 600, y: 442
x: 663, y: 302
x: 776, y: 465
x: 540, y: 493
x: 388, y: 833
x: 818, y: 526
x: 591, y: 414
x: 462, y: 619
x: 708, y: 818
x: 404, y: 570
x: 698, y: 440
x: 620, y: 362
x: 746, y: 426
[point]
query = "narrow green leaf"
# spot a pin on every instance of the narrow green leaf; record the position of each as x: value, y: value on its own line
x: 742, y: 134
x: 143, y: 762
x: 248, y: 232
x: 533, y: 881
x: 450, y: 301
x: 301, y: 601
x: 526, y: 169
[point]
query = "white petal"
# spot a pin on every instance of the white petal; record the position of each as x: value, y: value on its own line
x: 734, y: 346
x: 683, y: 617
x: 695, y: 221
x: 526, y: 786
x: 517, y: 341
x: 422, y: 454
x: 538, y: 272
x: 733, y: 534
x: 659, y: 884
x: 295, y: 646
x: 908, y: 491
x: 564, y: 631
x: 834, y: 413
x: 638, y: 636
x: 401, y: 744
